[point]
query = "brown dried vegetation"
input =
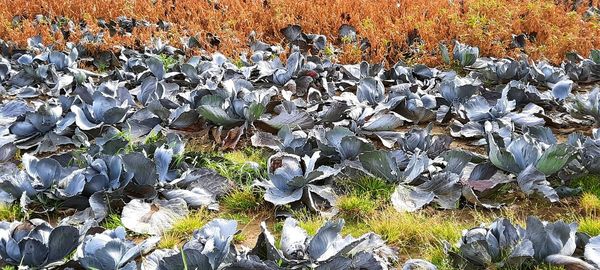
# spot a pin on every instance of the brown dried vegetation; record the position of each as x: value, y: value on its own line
x: 390, y: 26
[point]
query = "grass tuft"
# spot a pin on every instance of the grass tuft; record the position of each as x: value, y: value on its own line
x: 112, y: 221
x: 241, y: 218
x: 239, y: 238
x: 590, y: 203
x: 169, y: 240
x: 184, y: 227
x: 589, y: 184
x: 241, y: 157
x: 355, y: 228
x: 590, y: 226
x: 367, y: 186
x: 356, y: 207
x: 312, y: 225
x: 308, y: 221
x: 241, y: 200
x: 436, y: 255
x: 410, y: 230
x: 191, y: 222
x: 10, y: 212
x: 242, y: 166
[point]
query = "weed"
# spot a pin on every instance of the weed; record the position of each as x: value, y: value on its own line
x: 242, y: 166
x: 590, y: 203
x: 241, y: 200
x: 410, y: 230
x: 589, y: 184
x: 112, y: 221
x: 308, y: 221
x: 239, y: 63
x: 436, y: 255
x: 169, y: 240
x: 367, y: 24
x: 168, y: 61
x: 102, y: 67
x: 277, y: 227
x: 239, y: 238
x: 153, y: 138
x: 241, y: 218
x: 590, y: 226
x: 368, y: 186
x: 356, y: 207
x: 329, y: 51
x: 347, y: 39
x: 10, y: 212
x: 191, y: 222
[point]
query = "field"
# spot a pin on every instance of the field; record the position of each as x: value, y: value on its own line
x: 200, y: 134
x: 407, y: 30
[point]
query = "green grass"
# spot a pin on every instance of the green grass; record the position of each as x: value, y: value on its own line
x: 112, y: 221
x: 355, y: 207
x: 589, y: 184
x: 169, y: 240
x: 241, y: 218
x: 241, y: 166
x: 375, y: 188
x: 10, y: 212
x: 590, y: 203
x: 436, y: 255
x: 241, y: 200
x: 193, y: 221
x: 355, y: 228
x: 183, y: 228
x: 239, y: 238
x: 589, y: 225
x: 413, y: 231
x: 308, y: 221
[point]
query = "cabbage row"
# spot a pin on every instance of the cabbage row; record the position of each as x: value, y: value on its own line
x: 36, y: 244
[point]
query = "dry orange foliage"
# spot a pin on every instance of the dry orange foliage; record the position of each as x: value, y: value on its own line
x: 487, y: 24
